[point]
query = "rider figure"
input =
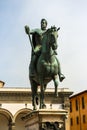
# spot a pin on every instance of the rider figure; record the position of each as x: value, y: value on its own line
x: 36, y: 40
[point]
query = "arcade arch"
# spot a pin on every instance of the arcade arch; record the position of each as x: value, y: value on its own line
x: 5, y: 119
x: 10, y: 122
x: 19, y: 123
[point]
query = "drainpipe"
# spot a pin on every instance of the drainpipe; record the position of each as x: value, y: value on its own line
x: 79, y: 114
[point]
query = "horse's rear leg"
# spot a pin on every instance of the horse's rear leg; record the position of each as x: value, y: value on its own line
x: 55, y: 79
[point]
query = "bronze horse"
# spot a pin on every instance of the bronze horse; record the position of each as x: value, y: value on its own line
x: 46, y: 67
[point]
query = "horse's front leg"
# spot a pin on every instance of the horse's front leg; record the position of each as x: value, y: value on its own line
x: 34, y: 99
x: 55, y: 79
x: 34, y: 93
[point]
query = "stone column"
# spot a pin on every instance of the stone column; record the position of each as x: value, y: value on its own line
x: 11, y: 126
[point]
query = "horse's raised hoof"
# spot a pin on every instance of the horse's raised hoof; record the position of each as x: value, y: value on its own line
x: 62, y: 77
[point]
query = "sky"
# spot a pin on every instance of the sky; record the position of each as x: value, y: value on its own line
x: 15, y: 48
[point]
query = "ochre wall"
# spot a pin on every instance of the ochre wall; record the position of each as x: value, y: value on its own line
x: 79, y: 113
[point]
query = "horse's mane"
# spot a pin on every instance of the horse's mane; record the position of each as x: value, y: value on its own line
x: 49, y: 30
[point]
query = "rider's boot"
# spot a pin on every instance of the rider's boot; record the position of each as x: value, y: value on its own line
x: 32, y: 66
x: 32, y: 72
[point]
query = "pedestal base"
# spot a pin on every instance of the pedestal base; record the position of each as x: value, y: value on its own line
x: 44, y: 119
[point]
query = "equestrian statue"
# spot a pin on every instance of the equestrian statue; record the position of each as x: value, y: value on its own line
x: 44, y: 65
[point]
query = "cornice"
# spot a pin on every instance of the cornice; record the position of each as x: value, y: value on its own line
x: 24, y: 94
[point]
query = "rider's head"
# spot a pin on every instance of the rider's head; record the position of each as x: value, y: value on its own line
x: 43, y: 24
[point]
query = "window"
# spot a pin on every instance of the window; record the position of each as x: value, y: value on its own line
x: 77, y: 120
x: 83, y: 104
x: 84, y: 119
x: 71, y: 121
x: 70, y: 106
x: 76, y: 105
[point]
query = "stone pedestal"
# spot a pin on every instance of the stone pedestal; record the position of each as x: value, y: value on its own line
x: 44, y: 119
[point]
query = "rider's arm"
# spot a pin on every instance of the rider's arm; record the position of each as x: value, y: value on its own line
x: 28, y: 31
x: 32, y: 31
x: 38, y: 31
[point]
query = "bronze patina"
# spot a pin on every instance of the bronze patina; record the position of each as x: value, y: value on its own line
x: 44, y: 65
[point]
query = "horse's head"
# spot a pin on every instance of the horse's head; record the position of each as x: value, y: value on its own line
x: 52, y: 37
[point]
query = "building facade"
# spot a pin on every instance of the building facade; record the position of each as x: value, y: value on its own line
x: 17, y: 102
x: 78, y: 111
